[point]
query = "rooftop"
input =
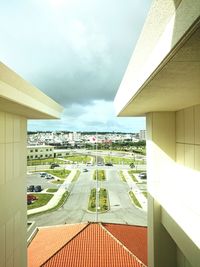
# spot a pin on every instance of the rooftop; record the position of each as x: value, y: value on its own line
x: 89, y: 245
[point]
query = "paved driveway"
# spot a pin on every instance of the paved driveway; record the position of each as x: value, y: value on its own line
x: 75, y: 209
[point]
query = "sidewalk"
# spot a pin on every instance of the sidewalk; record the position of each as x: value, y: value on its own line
x: 137, y: 192
x: 57, y: 196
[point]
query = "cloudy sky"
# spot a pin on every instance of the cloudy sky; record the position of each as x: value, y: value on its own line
x: 76, y: 52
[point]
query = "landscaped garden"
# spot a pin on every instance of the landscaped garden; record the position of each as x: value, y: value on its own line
x: 102, y: 199
x: 99, y: 175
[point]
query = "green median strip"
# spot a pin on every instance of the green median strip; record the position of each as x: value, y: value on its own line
x: 58, y: 181
x: 133, y: 176
x: 52, y: 190
x: 134, y: 199
x: 99, y: 175
x: 76, y: 176
x: 103, y: 200
x: 145, y: 193
x: 122, y: 176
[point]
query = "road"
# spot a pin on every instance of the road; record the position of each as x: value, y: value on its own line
x: 75, y: 209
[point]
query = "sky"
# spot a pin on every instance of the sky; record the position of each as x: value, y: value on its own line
x: 76, y: 52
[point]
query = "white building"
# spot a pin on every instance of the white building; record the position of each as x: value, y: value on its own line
x: 162, y: 82
x: 40, y: 152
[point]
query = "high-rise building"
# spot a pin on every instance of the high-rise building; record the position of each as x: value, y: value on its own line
x: 162, y: 82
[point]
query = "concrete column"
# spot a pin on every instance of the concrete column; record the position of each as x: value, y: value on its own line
x: 13, y: 227
x: 160, y: 162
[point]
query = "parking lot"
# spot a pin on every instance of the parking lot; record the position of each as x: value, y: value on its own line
x: 35, y: 179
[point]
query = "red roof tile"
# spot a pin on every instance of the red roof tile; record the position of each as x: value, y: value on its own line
x: 133, y: 237
x: 93, y: 247
x: 49, y: 240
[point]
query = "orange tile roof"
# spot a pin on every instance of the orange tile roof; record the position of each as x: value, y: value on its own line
x: 89, y: 245
x: 133, y: 237
x: 49, y: 240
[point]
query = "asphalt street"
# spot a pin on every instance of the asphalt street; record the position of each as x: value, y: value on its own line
x: 75, y: 209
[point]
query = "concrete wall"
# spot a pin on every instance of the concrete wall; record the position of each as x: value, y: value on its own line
x: 12, y: 190
x: 173, y: 164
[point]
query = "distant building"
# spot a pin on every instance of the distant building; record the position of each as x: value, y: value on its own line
x: 40, y: 152
x: 142, y: 134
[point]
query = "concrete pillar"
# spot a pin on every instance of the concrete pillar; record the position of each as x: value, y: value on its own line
x: 160, y: 162
x: 12, y: 190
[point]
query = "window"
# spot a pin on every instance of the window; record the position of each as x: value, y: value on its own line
x: 36, y: 150
x: 31, y: 150
x: 47, y: 149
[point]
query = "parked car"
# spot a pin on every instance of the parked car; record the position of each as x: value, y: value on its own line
x: 49, y: 176
x: 132, y: 165
x: 85, y: 170
x: 43, y: 174
x: 108, y: 164
x: 38, y: 188
x: 31, y: 198
x: 143, y: 175
x: 31, y: 188
x: 53, y: 165
x: 100, y: 163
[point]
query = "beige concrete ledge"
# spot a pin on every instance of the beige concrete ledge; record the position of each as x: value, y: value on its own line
x: 20, y: 97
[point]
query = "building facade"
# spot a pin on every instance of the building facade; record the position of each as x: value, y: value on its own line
x: 40, y: 152
x: 162, y: 82
x: 19, y: 101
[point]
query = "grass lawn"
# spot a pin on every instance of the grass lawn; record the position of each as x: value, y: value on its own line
x: 134, y: 199
x: 76, y: 176
x: 145, y: 194
x: 52, y: 190
x: 117, y: 160
x: 60, y: 204
x: 58, y: 181
x: 133, y: 176
x: 122, y: 176
x: 42, y: 200
x: 79, y: 158
x: 59, y: 173
x: 103, y: 200
x: 100, y: 174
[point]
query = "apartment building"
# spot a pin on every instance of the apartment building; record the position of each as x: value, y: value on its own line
x: 19, y: 101
x: 162, y: 82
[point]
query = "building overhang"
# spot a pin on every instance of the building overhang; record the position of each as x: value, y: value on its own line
x: 169, y: 80
x: 18, y: 96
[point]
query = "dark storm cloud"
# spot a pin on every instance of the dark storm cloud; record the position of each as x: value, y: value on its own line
x: 74, y: 51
